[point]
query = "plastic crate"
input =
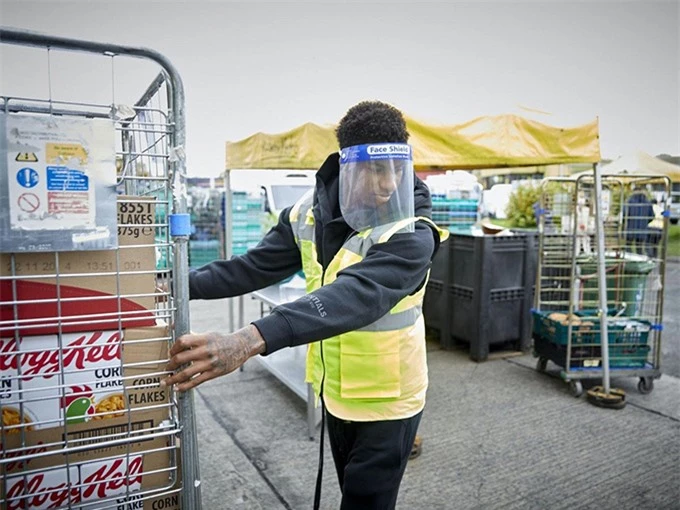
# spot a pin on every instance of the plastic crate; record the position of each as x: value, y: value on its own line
x: 203, y: 252
x: 589, y: 357
x: 487, y: 293
x: 628, y: 356
x: 557, y: 332
x: 454, y: 212
x: 435, y: 313
x: 619, y: 331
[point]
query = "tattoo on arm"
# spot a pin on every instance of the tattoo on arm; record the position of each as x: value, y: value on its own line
x: 228, y: 352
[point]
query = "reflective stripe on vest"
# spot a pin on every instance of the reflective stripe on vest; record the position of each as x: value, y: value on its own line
x: 377, y: 372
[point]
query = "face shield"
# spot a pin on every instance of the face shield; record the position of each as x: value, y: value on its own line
x: 376, y: 184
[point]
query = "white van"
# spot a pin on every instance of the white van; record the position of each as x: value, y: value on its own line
x: 282, y: 190
x: 495, y: 200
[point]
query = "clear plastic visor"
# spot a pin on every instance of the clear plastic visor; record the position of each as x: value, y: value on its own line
x: 376, y: 185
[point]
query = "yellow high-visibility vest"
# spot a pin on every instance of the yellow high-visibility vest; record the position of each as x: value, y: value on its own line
x: 378, y: 372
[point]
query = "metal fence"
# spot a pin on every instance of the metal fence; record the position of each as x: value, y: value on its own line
x: 94, y: 209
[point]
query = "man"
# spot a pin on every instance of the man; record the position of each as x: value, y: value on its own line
x: 365, y: 243
x: 639, y: 213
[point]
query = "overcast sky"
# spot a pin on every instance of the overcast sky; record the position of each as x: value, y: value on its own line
x: 257, y: 66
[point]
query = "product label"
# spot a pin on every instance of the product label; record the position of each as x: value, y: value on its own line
x: 132, y: 218
x: 370, y: 152
x: 45, y: 383
x: 48, y: 489
x: 87, y: 482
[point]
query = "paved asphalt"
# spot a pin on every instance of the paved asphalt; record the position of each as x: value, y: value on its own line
x: 670, y: 338
x: 497, y: 435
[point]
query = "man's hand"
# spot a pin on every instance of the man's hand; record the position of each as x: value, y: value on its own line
x: 210, y: 355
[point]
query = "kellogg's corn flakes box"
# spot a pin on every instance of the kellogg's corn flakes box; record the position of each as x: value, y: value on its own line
x: 50, y: 380
x: 138, y: 480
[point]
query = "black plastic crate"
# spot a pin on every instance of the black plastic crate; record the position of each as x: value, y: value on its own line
x: 440, y: 264
x: 434, y: 305
x: 488, y: 292
x: 589, y: 357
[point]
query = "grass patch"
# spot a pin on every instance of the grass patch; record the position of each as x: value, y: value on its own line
x: 673, y: 249
x: 501, y: 223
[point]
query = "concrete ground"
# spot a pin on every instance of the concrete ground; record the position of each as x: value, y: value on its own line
x: 670, y: 342
x: 496, y: 435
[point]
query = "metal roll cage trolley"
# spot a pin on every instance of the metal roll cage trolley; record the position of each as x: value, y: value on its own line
x: 598, y: 309
x: 94, y: 217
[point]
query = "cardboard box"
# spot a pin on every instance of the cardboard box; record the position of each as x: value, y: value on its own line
x: 81, y: 378
x: 94, y: 290
x: 124, y: 479
x: 168, y: 499
x: 40, y: 462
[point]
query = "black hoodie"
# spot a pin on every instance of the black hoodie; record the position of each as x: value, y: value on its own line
x: 361, y: 294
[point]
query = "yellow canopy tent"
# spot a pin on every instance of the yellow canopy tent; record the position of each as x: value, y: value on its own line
x: 500, y: 141
x: 486, y: 142
x: 482, y: 143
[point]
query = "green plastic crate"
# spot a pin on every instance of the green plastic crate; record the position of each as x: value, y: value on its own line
x: 589, y: 332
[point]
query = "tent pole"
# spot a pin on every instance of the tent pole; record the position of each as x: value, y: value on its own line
x: 228, y: 235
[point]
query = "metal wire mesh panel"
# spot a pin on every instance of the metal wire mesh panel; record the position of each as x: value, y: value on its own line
x: 566, y: 318
x: 84, y: 332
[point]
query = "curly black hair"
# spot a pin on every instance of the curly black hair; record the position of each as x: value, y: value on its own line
x: 371, y: 122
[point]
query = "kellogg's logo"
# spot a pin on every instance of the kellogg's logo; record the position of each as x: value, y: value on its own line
x: 41, y: 491
x: 109, y: 478
x: 86, y: 349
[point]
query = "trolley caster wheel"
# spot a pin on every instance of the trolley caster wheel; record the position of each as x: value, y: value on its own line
x: 576, y: 388
x: 541, y: 364
x: 646, y: 385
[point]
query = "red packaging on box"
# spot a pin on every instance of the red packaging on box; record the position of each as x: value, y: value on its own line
x: 94, y: 290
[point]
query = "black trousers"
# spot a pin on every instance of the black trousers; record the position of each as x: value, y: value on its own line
x: 370, y: 459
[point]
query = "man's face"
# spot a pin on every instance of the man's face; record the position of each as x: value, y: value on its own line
x: 377, y: 183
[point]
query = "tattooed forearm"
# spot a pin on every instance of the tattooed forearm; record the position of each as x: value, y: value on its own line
x: 228, y: 352
x: 204, y: 356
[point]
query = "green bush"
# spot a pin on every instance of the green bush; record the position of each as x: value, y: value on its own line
x: 520, y: 210
x: 673, y: 241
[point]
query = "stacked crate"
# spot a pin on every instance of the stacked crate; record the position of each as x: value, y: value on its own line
x: 456, y: 197
x: 162, y: 242
x: 455, y: 211
x: 207, y: 217
x: 206, y: 230
x: 203, y: 252
x: 246, y: 221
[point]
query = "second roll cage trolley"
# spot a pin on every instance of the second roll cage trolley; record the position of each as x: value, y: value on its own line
x: 566, y: 316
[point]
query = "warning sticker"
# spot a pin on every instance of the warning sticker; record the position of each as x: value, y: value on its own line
x: 28, y: 202
x: 27, y: 157
x: 65, y: 179
x: 68, y: 203
x: 27, y: 177
x: 60, y: 153
x: 56, y: 169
